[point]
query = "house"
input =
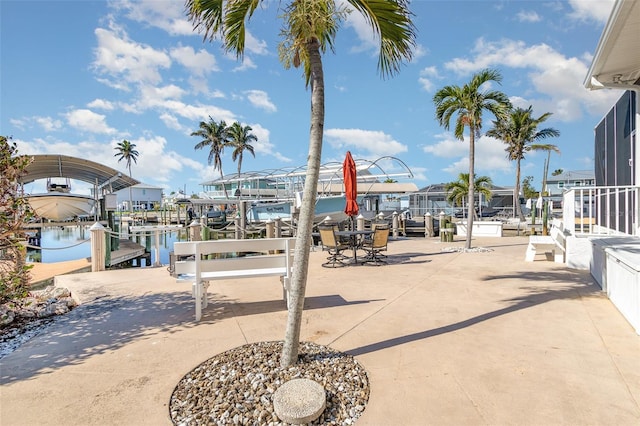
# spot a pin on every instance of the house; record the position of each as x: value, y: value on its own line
x: 143, y: 196
x: 558, y: 184
x: 609, y: 238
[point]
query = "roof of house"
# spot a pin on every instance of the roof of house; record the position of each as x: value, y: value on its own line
x: 572, y: 175
x: 616, y: 62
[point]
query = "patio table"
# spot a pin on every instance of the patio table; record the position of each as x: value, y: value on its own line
x: 354, y: 241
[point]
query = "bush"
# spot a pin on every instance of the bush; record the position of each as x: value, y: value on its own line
x: 14, y: 211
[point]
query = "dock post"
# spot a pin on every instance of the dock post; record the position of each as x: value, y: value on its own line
x: 236, y: 223
x: 271, y: 228
x: 157, y: 247
x: 195, y: 230
x: 394, y: 222
x: 428, y: 225
x: 98, y: 247
x: 278, y: 224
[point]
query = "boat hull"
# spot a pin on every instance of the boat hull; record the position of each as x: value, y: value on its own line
x: 60, y: 206
x: 325, y: 206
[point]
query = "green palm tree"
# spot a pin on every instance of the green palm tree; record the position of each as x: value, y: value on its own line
x: 519, y: 130
x: 469, y: 103
x: 239, y: 138
x: 459, y: 189
x: 127, y: 152
x: 309, y: 28
x: 214, y: 136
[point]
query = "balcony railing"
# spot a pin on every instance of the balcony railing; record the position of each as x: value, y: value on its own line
x: 602, y: 210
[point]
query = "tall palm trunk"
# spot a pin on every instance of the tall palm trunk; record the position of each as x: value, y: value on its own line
x: 471, y: 204
x: 305, y: 220
x: 516, y: 195
x: 130, y: 193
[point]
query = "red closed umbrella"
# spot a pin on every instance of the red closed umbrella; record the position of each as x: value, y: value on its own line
x: 350, y: 185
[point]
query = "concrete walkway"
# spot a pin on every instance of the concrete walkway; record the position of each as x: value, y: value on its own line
x: 447, y: 338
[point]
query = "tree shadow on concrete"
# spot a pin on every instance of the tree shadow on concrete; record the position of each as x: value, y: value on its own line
x: 109, y: 323
x: 576, y: 284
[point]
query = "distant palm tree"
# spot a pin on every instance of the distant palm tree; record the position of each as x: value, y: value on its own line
x: 457, y: 190
x: 215, y: 136
x: 309, y: 28
x: 548, y: 148
x: 519, y: 130
x: 239, y: 138
x: 127, y: 151
x: 469, y: 103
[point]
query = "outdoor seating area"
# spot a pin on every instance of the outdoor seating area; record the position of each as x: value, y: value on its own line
x: 336, y: 242
x: 134, y: 332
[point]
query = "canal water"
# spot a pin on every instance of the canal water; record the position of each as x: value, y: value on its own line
x: 62, y: 243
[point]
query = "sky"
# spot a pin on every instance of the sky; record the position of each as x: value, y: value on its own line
x: 77, y: 77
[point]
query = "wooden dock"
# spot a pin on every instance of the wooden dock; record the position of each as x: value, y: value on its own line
x: 128, y: 250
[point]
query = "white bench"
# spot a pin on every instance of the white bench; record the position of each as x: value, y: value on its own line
x: 199, y: 262
x: 555, y: 242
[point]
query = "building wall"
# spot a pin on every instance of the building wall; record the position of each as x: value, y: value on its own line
x: 615, y: 144
x: 144, y: 197
x: 556, y: 185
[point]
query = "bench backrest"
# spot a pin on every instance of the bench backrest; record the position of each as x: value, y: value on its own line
x: 232, y: 255
x: 557, y: 234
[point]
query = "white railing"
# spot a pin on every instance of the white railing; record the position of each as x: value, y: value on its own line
x: 602, y: 210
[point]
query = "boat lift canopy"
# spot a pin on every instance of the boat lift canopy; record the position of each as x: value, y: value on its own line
x: 103, y: 177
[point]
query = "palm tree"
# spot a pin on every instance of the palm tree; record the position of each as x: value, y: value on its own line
x: 214, y: 135
x: 545, y: 173
x: 310, y: 27
x: 519, y: 130
x: 457, y: 190
x: 127, y: 151
x: 239, y: 138
x: 468, y: 102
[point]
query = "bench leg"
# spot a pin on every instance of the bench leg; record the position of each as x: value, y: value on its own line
x: 285, y: 290
x: 197, y: 294
x: 530, y: 255
x: 200, y: 295
x: 558, y: 256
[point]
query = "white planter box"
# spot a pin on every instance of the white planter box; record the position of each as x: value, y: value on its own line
x: 615, y: 266
x: 480, y: 229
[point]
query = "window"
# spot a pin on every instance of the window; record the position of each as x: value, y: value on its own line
x: 560, y: 185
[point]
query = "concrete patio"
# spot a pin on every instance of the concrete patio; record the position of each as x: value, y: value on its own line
x: 447, y: 338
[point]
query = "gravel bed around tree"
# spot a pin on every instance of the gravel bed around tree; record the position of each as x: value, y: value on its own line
x: 237, y: 386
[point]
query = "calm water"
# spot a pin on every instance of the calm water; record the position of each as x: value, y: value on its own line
x: 61, y: 243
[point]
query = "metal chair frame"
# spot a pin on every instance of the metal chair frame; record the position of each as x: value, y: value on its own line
x: 333, y: 246
x: 376, y: 245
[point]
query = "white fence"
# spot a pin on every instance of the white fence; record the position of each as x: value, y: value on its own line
x: 602, y: 210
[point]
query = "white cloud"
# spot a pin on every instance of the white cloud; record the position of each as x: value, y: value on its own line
x: 165, y: 14
x: 264, y: 146
x: 246, y: 64
x: 374, y: 144
x: 528, y: 16
x: 48, y: 124
x: 89, y: 121
x: 555, y: 77
x: 101, y: 104
x: 200, y: 63
x: 253, y: 45
x: 490, y: 156
x: 260, y: 99
x: 426, y: 78
x: 586, y: 10
x: 121, y: 59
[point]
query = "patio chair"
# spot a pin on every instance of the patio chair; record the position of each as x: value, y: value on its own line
x: 332, y: 245
x: 376, y: 245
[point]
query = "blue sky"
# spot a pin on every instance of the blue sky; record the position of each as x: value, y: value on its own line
x: 77, y: 77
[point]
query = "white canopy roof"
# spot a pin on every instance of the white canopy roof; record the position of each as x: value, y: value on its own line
x: 616, y: 63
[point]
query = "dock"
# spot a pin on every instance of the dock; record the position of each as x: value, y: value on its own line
x: 127, y: 251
